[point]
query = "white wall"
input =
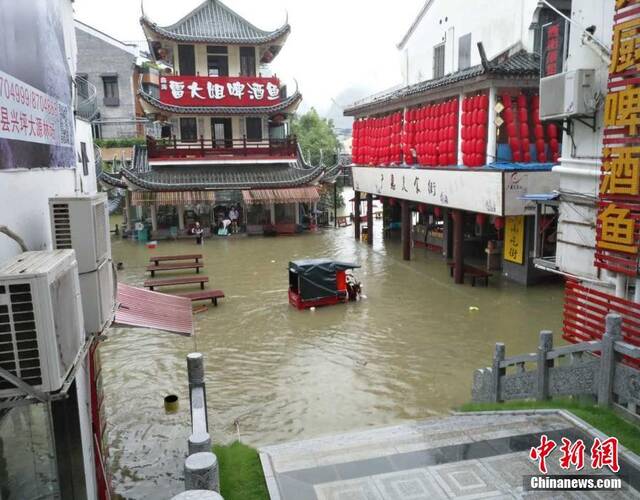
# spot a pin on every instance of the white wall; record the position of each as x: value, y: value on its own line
x: 85, y: 183
x: 498, y: 24
x: 580, y: 169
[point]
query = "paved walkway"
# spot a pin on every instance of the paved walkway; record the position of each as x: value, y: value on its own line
x: 463, y: 456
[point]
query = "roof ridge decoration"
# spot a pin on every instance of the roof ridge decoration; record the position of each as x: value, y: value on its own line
x: 214, y: 22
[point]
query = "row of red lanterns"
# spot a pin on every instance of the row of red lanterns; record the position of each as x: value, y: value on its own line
x: 475, y: 114
x: 432, y: 132
x: 377, y: 141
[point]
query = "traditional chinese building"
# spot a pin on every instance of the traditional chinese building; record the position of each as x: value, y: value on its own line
x: 459, y: 147
x: 599, y: 195
x: 222, y: 126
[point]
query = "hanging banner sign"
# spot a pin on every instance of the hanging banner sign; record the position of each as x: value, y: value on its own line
x: 514, y: 239
x: 195, y: 91
x: 27, y: 114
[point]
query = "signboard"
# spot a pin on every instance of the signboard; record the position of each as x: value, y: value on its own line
x: 36, y: 118
x: 476, y: 191
x: 219, y: 91
x: 518, y: 184
x: 514, y: 239
x: 618, y: 223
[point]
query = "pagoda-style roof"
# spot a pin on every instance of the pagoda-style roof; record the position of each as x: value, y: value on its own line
x: 287, y: 105
x: 112, y: 180
x: 522, y: 65
x: 214, y: 23
x: 219, y: 177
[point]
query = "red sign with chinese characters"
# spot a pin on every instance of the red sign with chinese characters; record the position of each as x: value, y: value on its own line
x: 213, y: 91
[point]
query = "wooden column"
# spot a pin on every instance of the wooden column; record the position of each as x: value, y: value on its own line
x: 272, y: 210
x: 369, y: 219
x: 335, y: 204
x: 297, y: 217
x: 180, y: 217
x: 154, y: 218
x: 458, y: 241
x: 356, y: 215
x: 127, y: 211
x: 406, y: 230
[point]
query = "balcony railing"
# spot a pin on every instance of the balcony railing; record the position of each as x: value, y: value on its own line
x: 86, y: 101
x: 172, y: 149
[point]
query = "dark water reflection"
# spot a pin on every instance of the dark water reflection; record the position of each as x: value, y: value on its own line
x: 407, y: 351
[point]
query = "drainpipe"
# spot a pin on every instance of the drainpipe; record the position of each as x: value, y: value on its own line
x: 491, y: 152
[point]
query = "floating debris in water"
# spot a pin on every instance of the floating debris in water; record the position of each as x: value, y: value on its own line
x: 312, y: 309
x: 473, y: 308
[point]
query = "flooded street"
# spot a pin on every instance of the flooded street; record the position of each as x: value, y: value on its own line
x: 406, y: 351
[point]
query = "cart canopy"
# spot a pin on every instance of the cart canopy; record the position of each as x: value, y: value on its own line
x: 316, y: 278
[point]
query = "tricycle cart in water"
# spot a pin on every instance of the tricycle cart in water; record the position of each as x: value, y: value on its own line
x: 321, y: 282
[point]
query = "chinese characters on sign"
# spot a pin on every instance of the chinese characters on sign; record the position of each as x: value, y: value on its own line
x: 219, y: 91
x: 27, y: 114
x: 617, y: 226
x: 572, y: 454
x: 514, y: 239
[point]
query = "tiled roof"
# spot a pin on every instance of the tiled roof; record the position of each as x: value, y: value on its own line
x: 290, y: 103
x: 187, y: 177
x: 521, y: 64
x: 214, y: 22
x: 112, y: 180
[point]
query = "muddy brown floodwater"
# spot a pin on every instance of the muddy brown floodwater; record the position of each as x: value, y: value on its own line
x: 406, y: 351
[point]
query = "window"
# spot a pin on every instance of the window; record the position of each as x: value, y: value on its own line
x: 464, y: 51
x: 187, y: 60
x: 222, y: 132
x: 188, y: 130
x: 247, y: 61
x: 84, y: 158
x: 438, y: 61
x: 82, y: 85
x: 254, y: 129
x: 217, y: 61
x: 110, y: 87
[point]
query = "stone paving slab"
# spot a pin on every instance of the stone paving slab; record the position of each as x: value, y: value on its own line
x: 468, y: 456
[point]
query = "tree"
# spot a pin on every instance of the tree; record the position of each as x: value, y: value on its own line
x: 316, y: 134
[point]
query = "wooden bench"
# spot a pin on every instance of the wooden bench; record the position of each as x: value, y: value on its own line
x: 151, y: 284
x: 168, y: 258
x: 175, y: 267
x: 214, y: 295
x: 475, y: 273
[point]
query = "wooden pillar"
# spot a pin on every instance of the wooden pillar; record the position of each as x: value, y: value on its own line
x: 272, y: 209
x: 154, y: 218
x: 356, y: 215
x: 369, y: 219
x: 335, y: 204
x: 458, y: 242
x: 180, y: 217
x: 297, y: 217
x: 127, y: 211
x: 406, y: 230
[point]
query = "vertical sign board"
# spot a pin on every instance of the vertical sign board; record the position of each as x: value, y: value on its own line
x: 618, y: 223
x: 514, y: 239
x: 36, y: 112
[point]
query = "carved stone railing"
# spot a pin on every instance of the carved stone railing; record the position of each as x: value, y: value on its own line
x: 571, y: 370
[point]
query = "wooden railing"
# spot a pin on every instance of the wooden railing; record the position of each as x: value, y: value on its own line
x: 571, y: 370
x: 171, y: 149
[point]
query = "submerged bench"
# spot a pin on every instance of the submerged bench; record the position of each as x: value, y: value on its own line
x: 174, y: 267
x: 168, y: 258
x: 475, y: 273
x: 151, y: 284
x: 214, y: 295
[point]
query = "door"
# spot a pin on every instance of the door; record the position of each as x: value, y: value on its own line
x: 188, y: 130
x: 222, y: 132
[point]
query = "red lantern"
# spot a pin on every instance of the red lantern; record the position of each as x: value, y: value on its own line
x: 523, y: 115
x: 539, y: 132
x: 437, y: 211
x: 481, y: 219
x: 498, y: 222
x: 522, y: 101
x: 422, y: 208
x: 508, y: 116
x: 552, y: 131
x: 524, y: 130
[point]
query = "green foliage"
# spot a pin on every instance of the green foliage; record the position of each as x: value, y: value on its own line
x: 314, y: 134
x: 601, y: 418
x: 326, y: 196
x: 120, y: 143
x: 241, y: 476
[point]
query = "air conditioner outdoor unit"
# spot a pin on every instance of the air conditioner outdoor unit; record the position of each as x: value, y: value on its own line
x: 81, y: 222
x: 41, y: 322
x: 98, y: 297
x: 568, y: 94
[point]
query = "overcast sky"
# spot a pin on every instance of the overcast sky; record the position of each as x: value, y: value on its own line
x: 338, y: 49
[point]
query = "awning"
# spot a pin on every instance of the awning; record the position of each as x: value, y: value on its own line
x: 145, y: 198
x: 307, y: 194
x: 145, y: 309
